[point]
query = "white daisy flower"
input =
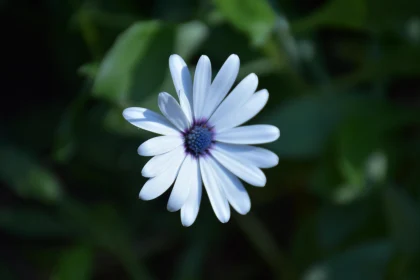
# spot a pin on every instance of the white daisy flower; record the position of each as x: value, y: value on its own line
x: 202, y: 141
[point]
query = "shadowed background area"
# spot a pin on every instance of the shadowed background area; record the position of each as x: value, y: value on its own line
x: 344, y: 84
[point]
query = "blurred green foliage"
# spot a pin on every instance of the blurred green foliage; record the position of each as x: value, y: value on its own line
x: 344, y: 83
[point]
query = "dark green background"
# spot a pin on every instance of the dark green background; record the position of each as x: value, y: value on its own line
x: 344, y: 83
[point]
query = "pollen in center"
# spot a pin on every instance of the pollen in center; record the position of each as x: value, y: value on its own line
x: 198, y: 139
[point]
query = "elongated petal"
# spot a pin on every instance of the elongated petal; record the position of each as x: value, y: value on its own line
x: 247, y: 172
x: 250, y: 134
x: 172, y: 111
x: 251, y: 108
x: 160, y: 163
x: 236, y: 99
x: 221, y: 85
x: 202, y: 80
x: 232, y: 187
x: 257, y: 156
x: 189, y: 210
x: 216, y: 196
x: 183, y: 184
x: 158, y: 185
x: 186, y: 107
x: 149, y: 120
x: 183, y: 83
x: 159, y: 145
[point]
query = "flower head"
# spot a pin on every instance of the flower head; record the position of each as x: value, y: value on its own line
x: 203, y: 142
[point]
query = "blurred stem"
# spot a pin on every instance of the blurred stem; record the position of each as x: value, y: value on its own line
x: 89, y: 34
x: 272, y: 51
x: 376, y: 54
x: 111, y: 237
x: 266, y: 246
x: 136, y: 269
x: 87, y: 29
x: 317, y: 70
x: 279, y: 60
x: 293, y: 54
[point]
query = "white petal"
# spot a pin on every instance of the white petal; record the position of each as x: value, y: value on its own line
x: 250, y: 134
x: 186, y: 106
x: 202, y: 80
x: 159, y: 145
x: 236, y: 99
x: 189, y: 210
x: 160, y: 163
x: 251, y: 108
x: 183, y: 183
x: 257, y: 156
x: 247, y: 172
x: 172, y: 111
x: 182, y: 82
x: 221, y: 84
x: 158, y: 185
x: 149, y: 120
x: 233, y: 189
x: 216, y: 196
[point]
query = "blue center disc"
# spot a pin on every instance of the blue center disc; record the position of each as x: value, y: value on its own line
x: 198, y: 140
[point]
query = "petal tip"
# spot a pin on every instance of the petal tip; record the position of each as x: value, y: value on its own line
x: 260, y: 182
x: 234, y: 57
x: 163, y: 94
x: 204, y: 58
x: 173, y: 56
x: 224, y: 220
x: 145, y: 174
x: 127, y: 112
x: 263, y: 92
x: 276, y: 160
x: 277, y: 133
x: 186, y: 220
x: 171, y: 208
x: 253, y: 76
x: 224, y: 216
x: 142, y: 151
x: 142, y: 196
x: 244, y: 212
x: 186, y: 224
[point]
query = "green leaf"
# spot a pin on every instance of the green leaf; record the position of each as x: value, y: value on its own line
x: 256, y: 18
x: 336, y: 13
x: 26, y: 176
x: 136, y: 64
x: 365, y: 262
x: 403, y: 216
x: 74, y: 263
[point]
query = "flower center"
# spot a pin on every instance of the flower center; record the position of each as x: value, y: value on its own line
x: 198, y: 139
